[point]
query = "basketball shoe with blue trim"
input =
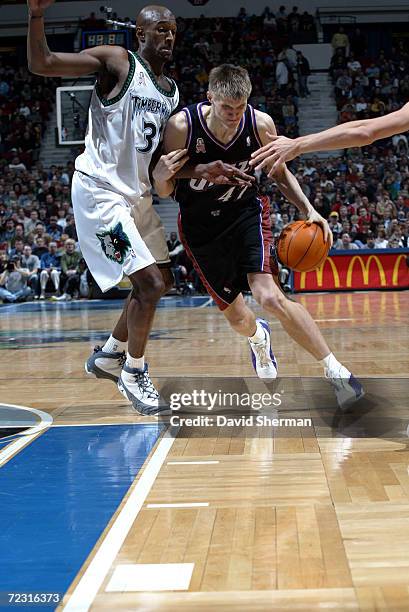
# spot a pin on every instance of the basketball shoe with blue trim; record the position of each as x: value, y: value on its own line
x: 105, y: 365
x: 347, y: 388
x: 262, y: 356
x: 140, y: 391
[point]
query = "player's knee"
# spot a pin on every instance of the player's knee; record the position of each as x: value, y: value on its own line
x: 273, y: 302
x: 149, y: 287
x: 158, y: 287
x: 154, y: 291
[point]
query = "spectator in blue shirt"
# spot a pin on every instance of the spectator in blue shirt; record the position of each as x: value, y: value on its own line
x: 54, y: 230
x: 8, y: 232
x: 17, y: 249
x: 50, y: 269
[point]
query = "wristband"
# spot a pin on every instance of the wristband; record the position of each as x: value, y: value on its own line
x: 36, y: 16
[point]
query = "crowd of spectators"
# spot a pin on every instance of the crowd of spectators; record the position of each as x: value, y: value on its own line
x: 366, y: 87
x: 291, y: 25
x: 25, y: 104
x: 39, y: 253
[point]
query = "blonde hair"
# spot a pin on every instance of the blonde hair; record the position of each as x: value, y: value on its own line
x: 228, y: 81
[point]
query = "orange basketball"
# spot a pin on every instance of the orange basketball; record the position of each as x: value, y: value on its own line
x: 302, y: 247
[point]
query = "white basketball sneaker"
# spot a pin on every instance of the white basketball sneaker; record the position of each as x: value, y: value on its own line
x: 262, y: 356
x: 105, y: 365
x: 137, y: 387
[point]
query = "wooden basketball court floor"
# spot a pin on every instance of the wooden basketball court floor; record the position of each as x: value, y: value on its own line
x: 211, y: 521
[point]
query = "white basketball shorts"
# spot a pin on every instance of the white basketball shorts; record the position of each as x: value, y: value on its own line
x: 117, y: 237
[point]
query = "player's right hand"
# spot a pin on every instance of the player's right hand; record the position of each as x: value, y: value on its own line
x: 169, y: 164
x: 270, y: 157
x: 219, y: 173
x: 37, y: 7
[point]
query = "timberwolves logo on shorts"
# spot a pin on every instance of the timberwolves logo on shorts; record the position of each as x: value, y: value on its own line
x: 115, y: 243
x: 17, y: 421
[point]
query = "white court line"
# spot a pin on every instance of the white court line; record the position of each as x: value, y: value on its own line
x: 191, y: 462
x: 209, y: 301
x: 24, y: 439
x: 134, y: 577
x: 14, y: 447
x: 181, y: 505
x: 90, y: 583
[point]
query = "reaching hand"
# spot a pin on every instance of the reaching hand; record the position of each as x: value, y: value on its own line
x: 37, y: 7
x: 219, y: 173
x: 280, y: 150
x: 315, y: 217
x: 169, y: 164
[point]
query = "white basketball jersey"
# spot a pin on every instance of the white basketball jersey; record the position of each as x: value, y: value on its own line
x: 123, y: 132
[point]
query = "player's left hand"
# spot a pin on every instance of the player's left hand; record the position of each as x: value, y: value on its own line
x: 169, y: 164
x: 315, y: 217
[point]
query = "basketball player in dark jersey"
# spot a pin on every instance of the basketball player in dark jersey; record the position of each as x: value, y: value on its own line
x: 226, y: 229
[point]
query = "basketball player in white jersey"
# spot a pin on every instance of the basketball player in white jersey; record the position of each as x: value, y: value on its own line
x: 119, y: 232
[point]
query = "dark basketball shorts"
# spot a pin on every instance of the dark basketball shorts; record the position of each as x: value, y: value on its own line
x: 244, y: 247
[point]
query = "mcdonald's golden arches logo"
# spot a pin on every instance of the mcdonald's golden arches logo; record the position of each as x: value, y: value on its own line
x: 365, y: 269
x: 383, y: 270
x: 320, y: 273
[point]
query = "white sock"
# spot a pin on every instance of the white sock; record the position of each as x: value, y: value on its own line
x: 112, y: 345
x: 331, y: 363
x: 135, y: 362
x: 260, y: 335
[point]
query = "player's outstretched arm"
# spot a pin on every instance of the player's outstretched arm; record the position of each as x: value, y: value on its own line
x: 286, y: 181
x: 352, y: 134
x: 44, y: 62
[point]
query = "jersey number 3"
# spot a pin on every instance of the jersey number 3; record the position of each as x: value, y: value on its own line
x: 149, y: 133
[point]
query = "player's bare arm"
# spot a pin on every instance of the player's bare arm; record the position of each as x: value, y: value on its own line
x: 217, y: 172
x: 166, y: 168
x: 174, y: 141
x: 110, y: 62
x: 359, y: 133
x: 286, y: 181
